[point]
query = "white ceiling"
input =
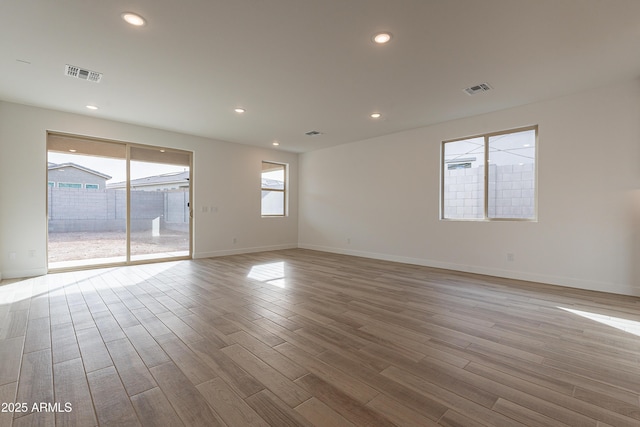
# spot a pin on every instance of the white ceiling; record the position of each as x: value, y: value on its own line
x: 301, y: 65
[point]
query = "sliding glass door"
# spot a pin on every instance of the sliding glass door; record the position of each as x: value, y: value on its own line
x: 159, y: 200
x: 116, y: 203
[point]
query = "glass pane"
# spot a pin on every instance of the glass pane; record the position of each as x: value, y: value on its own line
x: 87, y: 220
x: 272, y: 202
x: 160, y: 213
x: 512, y: 165
x: 463, y: 179
x: 273, y: 176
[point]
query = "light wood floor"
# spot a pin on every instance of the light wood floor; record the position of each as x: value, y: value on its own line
x: 306, y: 338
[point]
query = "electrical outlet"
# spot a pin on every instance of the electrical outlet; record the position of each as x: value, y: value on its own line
x: 511, y: 257
x: 235, y: 240
x: 13, y: 256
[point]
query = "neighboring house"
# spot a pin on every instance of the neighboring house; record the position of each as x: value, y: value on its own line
x: 272, y: 183
x: 71, y: 175
x: 166, y: 181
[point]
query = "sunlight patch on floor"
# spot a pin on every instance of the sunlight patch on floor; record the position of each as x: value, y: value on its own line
x: 630, y: 326
x: 272, y: 274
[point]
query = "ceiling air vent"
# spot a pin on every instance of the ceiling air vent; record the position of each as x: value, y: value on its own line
x: 482, y: 87
x: 312, y: 133
x: 81, y: 73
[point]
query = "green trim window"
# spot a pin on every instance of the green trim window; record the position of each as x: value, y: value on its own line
x: 69, y: 185
x: 490, y: 177
x: 91, y: 186
x: 274, y: 189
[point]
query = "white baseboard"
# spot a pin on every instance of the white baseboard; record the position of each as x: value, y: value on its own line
x: 590, y: 285
x: 17, y: 274
x: 240, y: 251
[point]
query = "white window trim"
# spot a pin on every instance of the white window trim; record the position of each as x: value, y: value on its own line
x: 282, y: 190
x: 486, y: 218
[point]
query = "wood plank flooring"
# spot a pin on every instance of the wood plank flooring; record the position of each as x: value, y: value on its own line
x: 301, y: 338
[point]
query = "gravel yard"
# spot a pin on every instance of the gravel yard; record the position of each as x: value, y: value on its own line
x: 85, y: 245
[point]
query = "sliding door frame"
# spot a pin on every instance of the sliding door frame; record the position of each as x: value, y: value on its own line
x: 128, y: 146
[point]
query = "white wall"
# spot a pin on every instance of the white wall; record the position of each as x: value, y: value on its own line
x: 226, y: 177
x: 380, y: 197
x: 382, y: 193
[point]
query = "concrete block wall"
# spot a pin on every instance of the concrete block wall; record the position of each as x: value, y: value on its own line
x: 463, y: 193
x: 116, y: 204
x: 511, y: 192
x: 81, y: 210
x: 176, y: 207
x: 77, y: 204
x: 145, y: 204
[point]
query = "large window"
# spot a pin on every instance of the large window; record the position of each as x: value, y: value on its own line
x: 490, y: 176
x: 274, y: 189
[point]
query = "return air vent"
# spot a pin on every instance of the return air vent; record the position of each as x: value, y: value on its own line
x: 312, y: 133
x: 81, y: 73
x: 482, y: 87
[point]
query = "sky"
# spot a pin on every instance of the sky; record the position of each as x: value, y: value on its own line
x: 115, y: 167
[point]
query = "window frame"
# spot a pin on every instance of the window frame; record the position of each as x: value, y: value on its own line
x: 485, y: 157
x: 282, y: 190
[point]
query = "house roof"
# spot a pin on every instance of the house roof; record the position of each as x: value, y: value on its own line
x: 181, y: 178
x: 299, y: 66
x: 59, y: 166
x: 167, y: 178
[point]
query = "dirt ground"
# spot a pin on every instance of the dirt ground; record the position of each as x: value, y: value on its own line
x: 78, y: 246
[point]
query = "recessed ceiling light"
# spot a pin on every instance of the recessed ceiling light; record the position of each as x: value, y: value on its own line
x: 73, y: 150
x: 239, y: 110
x: 375, y: 115
x: 382, y: 38
x: 527, y: 145
x: 162, y: 151
x: 276, y: 143
x: 92, y: 107
x: 134, y: 19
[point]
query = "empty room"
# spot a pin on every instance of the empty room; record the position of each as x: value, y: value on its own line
x: 320, y: 213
